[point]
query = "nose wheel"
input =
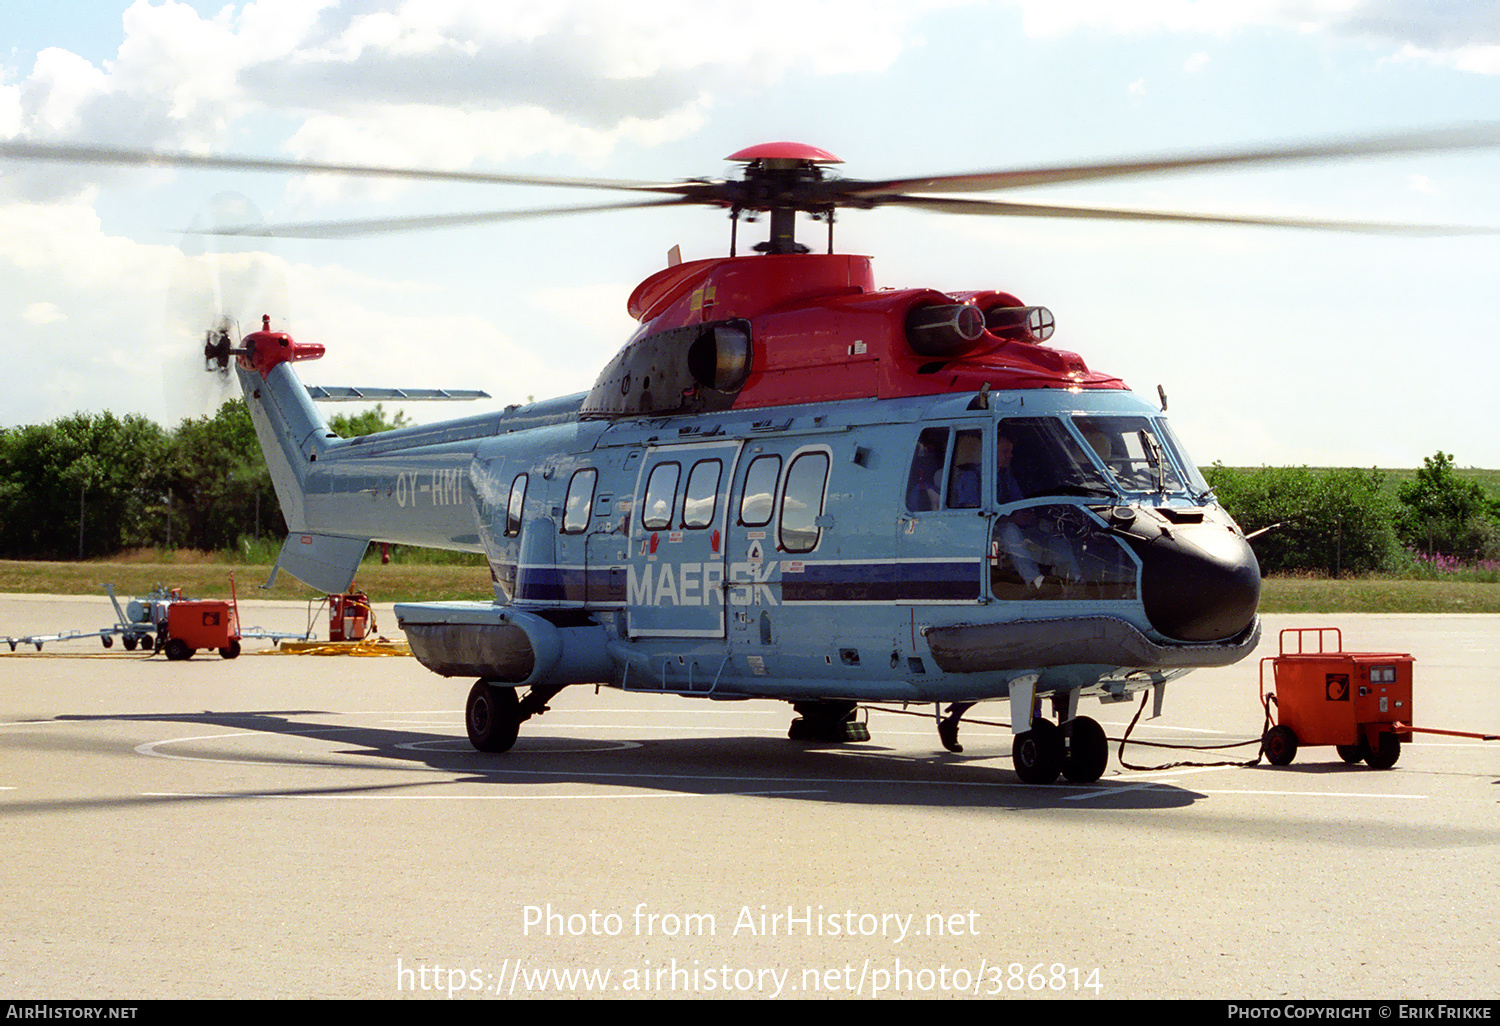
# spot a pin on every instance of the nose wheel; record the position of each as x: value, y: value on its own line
x: 1079, y: 751
x: 1037, y: 754
x: 1088, y: 751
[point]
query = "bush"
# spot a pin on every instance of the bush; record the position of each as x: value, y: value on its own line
x: 1335, y: 521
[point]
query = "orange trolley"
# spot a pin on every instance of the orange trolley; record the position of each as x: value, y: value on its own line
x: 1359, y: 702
x: 192, y: 624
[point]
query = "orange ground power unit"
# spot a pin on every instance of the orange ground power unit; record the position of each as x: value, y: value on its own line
x: 203, y: 623
x: 1360, y: 702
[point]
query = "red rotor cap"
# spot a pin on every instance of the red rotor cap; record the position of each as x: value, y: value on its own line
x: 785, y: 151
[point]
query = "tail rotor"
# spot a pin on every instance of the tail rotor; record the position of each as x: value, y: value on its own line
x: 224, y: 289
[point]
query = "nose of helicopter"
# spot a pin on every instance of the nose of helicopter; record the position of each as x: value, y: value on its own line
x: 1199, y: 582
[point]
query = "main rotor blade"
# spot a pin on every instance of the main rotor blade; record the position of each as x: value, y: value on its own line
x: 1477, y: 136
x: 77, y: 154
x: 419, y: 222
x: 1003, y: 208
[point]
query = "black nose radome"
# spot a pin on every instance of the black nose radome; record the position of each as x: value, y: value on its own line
x: 1199, y: 582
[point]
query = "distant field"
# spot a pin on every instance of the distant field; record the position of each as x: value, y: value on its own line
x: 421, y: 583
x: 392, y: 583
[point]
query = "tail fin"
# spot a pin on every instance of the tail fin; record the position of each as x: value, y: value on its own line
x: 293, y: 435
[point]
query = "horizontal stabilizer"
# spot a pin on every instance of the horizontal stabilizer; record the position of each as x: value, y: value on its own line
x: 350, y: 394
x: 322, y: 561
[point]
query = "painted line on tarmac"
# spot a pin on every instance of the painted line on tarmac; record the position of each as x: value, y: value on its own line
x: 465, y: 797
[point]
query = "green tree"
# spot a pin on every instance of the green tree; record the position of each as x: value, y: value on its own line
x: 372, y: 421
x: 80, y: 486
x: 1444, y: 514
x: 217, y: 483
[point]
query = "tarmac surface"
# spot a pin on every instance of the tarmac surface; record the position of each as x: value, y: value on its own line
x: 306, y: 826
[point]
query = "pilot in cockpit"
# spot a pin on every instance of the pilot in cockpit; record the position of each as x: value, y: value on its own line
x: 1020, y: 534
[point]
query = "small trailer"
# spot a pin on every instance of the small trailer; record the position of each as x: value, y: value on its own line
x: 1359, y: 702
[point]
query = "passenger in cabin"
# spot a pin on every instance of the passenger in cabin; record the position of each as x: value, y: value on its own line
x: 963, y: 481
x: 923, y: 485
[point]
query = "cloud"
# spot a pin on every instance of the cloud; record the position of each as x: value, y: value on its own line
x: 454, y: 81
x: 1459, y: 33
x: 43, y: 313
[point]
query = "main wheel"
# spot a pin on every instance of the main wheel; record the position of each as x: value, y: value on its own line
x: 1280, y: 744
x: 1037, y: 754
x: 1385, y: 753
x: 492, y: 717
x: 1088, y: 751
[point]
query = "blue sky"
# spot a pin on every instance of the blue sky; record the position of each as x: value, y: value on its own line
x: 1273, y: 346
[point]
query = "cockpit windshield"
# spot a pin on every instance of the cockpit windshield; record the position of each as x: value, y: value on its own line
x: 1140, y: 454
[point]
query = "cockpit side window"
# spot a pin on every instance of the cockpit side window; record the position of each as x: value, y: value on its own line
x: 1038, y: 456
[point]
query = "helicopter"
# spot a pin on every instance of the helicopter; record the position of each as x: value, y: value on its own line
x: 790, y: 484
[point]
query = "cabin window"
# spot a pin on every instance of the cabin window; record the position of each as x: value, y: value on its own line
x: 759, y: 498
x: 515, y: 506
x: 580, y: 501
x: 699, y: 503
x: 661, y: 494
x: 802, y: 503
x: 967, y: 470
x: 925, y: 482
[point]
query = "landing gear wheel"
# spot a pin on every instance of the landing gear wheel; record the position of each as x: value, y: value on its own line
x: 231, y: 650
x: 1353, y: 753
x: 1088, y: 751
x: 1385, y: 753
x: 177, y: 649
x: 1037, y: 754
x: 492, y: 717
x: 1280, y: 745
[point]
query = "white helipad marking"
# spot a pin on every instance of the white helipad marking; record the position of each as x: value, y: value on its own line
x: 150, y: 747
